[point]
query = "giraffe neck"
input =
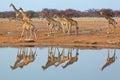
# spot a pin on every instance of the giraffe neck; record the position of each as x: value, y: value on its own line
x: 22, y: 11
x: 107, y: 18
x: 14, y: 8
x: 48, y: 19
x: 48, y: 64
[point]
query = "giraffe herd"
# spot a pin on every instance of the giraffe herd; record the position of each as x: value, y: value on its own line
x: 51, y: 23
x: 62, y: 24
x: 27, y: 55
x: 67, y: 23
x: 62, y: 57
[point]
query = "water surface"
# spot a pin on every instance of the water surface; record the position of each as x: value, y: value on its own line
x: 87, y: 65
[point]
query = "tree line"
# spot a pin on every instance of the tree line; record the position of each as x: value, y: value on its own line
x: 67, y: 13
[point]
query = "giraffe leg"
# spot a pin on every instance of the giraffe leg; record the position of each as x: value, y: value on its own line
x: 108, y: 28
x: 108, y: 53
x: 68, y: 26
x: 114, y: 52
x: 31, y: 33
x: 22, y: 34
x: 76, y: 31
x: 35, y: 35
x: 69, y: 29
x: 63, y: 28
x: 114, y: 30
x: 17, y: 17
x: 50, y: 30
x: 26, y: 35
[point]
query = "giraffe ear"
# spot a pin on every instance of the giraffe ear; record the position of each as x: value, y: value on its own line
x: 20, y: 8
x: 10, y: 5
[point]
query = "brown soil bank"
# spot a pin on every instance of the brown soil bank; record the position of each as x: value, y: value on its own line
x: 92, y: 33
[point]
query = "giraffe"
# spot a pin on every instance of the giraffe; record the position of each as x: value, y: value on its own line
x: 64, y: 23
x: 25, y: 59
x: 28, y: 27
x: 32, y: 55
x: 51, y: 58
x: 25, y: 15
x: 17, y: 12
x: 20, y: 55
x: 110, y: 20
x: 72, y: 23
x: 109, y: 59
x: 51, y: 23
x: 71, y: 58
x: 29, y: 58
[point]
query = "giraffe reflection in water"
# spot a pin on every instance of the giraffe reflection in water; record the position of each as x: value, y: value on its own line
x: 63, y: 58
x: 109, y: 59
x: 60, y: 58
x: 52, y: 59
x: 24, y: 57
x: 71, y: 58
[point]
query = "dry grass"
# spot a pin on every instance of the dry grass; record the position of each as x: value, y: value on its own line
x: 92, y: 33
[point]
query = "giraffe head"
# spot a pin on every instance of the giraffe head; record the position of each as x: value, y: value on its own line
x: 20, y: 9
x: 59, y: 28
x: 63, y: 16
x: 43, y: 67
x: 101, y: 13
x: 106, y: 13
x: 42, y: 15
x: 11, y: 5
x: 55, y: 15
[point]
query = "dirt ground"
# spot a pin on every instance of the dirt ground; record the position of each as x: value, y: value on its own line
x: 92, y: 34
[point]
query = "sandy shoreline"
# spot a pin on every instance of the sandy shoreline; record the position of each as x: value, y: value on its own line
x: 92, y: 34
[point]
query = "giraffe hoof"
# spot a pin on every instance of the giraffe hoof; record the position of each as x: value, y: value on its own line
x: 108, y: 32
x: 20, y: 40
x: 48, y: 34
